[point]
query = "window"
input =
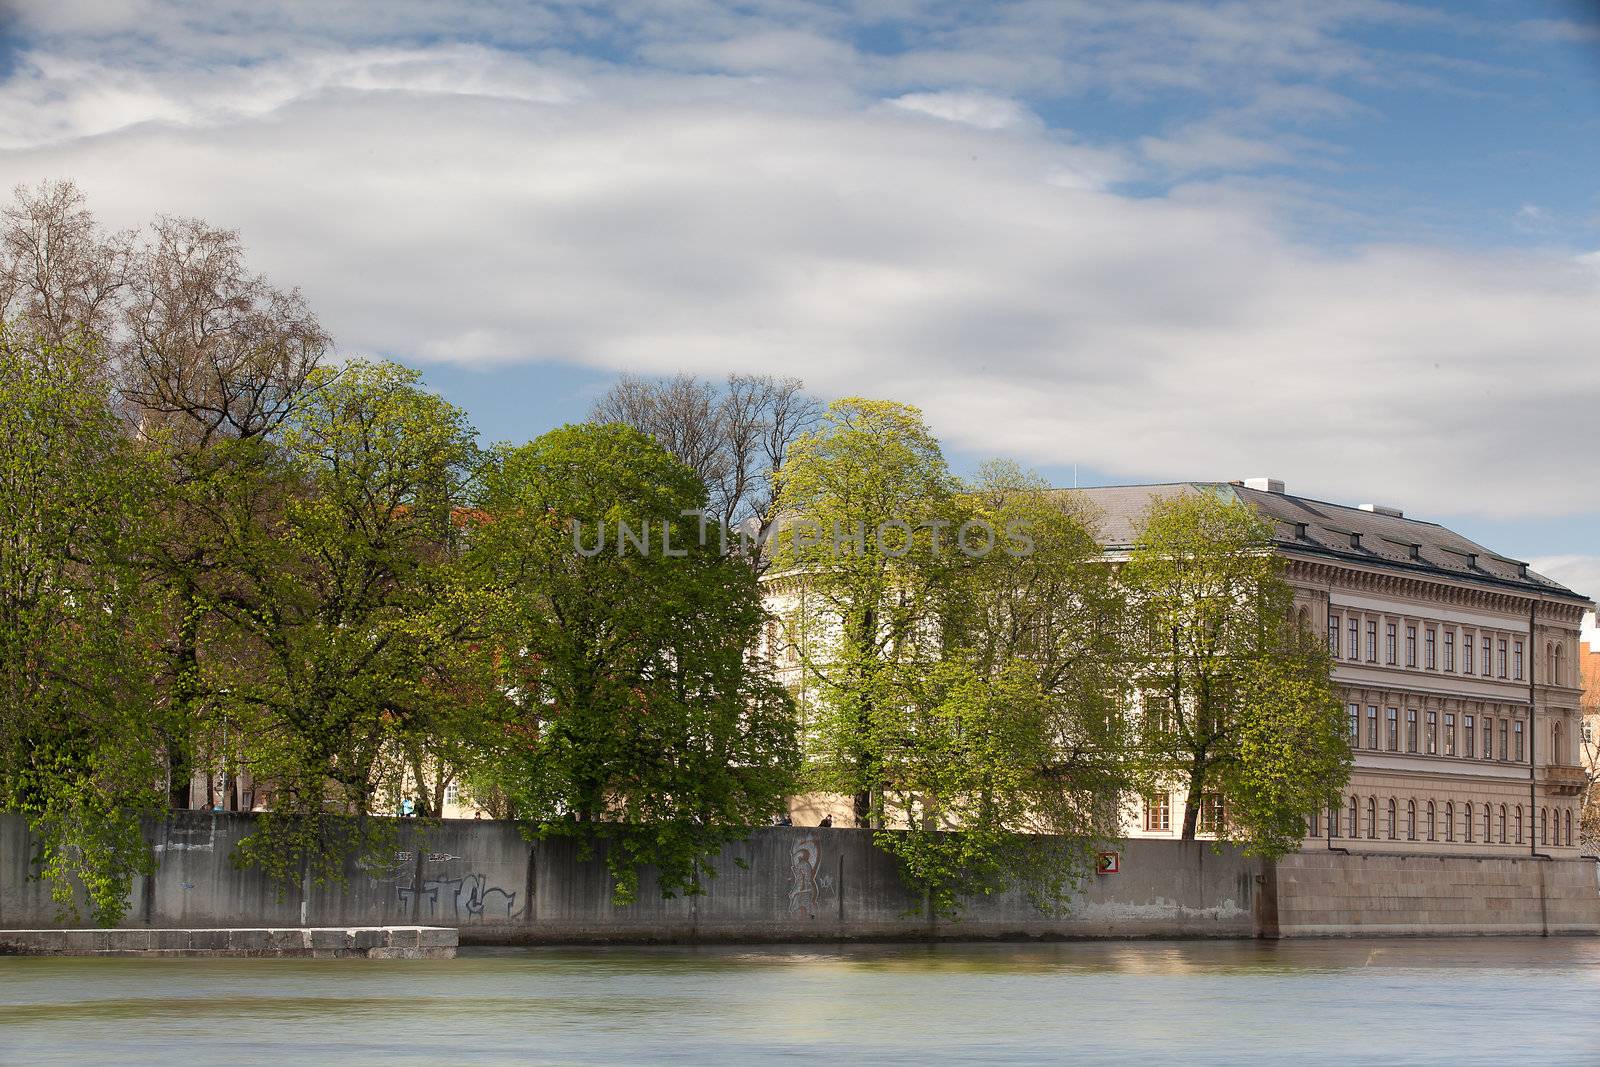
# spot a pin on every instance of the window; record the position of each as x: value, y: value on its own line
x: 1501, y: 649
x: 1588, y: 732
x: 1466, y: 824
x: 1544, y: 826
x: 1466, y: 736
x: 1353, y: 650
x: 1519, y: 824
x: 1411, y: 820
x: 1212, y: 813
x: 1388, y: 644
x: 1488, y: 738
x: 1505, y: 727
x: 1372, y: 641
x: 1502, y: 824
x: 1411, y: 729
x: 1432, y: 811
x: 1430, y: 646
x: 1466, y: 652
x: 1449, y: 733
x: 1517, y: 732
x: 1559, y: 673
x: 1333, y: 820
x: 1333, y: 634
x: 1411, y: 646
x: 1372, y: 818
x: 452, y: 794
x: 1488, y: 817
x: 1450, y: 821
x: 1433, y: 733
x: 1516, y: 660
x: 1372, y: 726
x: 1485, y: 665
x: 1449, y: 650
x: 1355, y: 817
x: 1393, y: 828
x: 1556, y: 755
x: 1569, y: 827
x: 1355, y: 725
x: 1394, y: 731
x: 1158, y: 812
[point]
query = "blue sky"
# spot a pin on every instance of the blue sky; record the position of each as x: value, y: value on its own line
x: 1354, y: 245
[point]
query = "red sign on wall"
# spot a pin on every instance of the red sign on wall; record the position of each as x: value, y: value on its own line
x: 1109, y: 863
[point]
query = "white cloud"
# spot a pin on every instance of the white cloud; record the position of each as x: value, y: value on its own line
x: 985, y: 111
x: 1579, y: 573
x: 750, y: 202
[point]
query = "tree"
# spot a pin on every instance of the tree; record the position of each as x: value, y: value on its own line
x: 735, y: 437
x: 635, y: 715
x: 77, y: 625
x: 346, y: 604
x: 1238, y: 699
x: 867, y: 504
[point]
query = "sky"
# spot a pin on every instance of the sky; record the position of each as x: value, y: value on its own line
x: 1352, y: 245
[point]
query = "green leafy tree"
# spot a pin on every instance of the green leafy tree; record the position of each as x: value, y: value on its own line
x: 345, y: 608
x: 1238, y: 699
x: 636, y: 717
x: 78, y: 626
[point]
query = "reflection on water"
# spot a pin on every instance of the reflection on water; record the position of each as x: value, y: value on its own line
x: 1491, y: 1001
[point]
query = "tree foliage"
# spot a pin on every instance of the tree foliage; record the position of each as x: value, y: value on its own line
x: 635, y: 716
x: 1238, y: 700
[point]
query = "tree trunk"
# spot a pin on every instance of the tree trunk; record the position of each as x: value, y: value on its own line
x: 1192, y: 802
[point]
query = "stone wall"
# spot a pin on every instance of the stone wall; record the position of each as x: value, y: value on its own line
x: 800, y: 883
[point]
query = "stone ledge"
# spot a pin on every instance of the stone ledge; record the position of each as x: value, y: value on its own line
x: 361, y: 942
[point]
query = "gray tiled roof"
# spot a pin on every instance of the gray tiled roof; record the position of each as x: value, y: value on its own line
x: 1336, y: 531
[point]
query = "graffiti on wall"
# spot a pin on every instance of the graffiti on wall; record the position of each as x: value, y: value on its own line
x: 808, y: 885
x: 469, y: 898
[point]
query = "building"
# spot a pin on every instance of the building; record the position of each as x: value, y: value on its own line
x: 1458, y: 667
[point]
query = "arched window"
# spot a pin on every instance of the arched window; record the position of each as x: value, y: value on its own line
x: 1304, y: 619
x: 1372, y: 818
x: 1560, y: 673
x: 1467, y: 823
x: 1355, y: 817
x: 1432, y: 819
x: 1502, y: 824
x: 1450, y: 821
x: 1488, y: 828
x: 1569, y: 827
x: 1333, y: 820
x: 1519, y: 824
x: 1411, y: 820
x: 1394, y: 820
x: 1557, y: 754
x: 1544, y: 826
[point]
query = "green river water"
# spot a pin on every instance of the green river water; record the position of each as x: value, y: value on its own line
x: 1488, y: 1001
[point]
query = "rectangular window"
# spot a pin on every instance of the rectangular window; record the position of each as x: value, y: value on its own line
x: 1501, y: 649
x: 1450, y: 650
x: 1411, y: 646
x: 1333, y: 634
x: 1355, y: 725
x: 1158, y: 812
x: 1353, y: 648
x: 1488, y: 737
x: 1433, y: 733
x: 1466, y: 653
x: 1466, y: 733
x: 1449, y: 733
x: 1372, y: 641
x: 1411, y: 729
x: 1394, y: 731
x: 1388, y: 644
x: 1212, y: 813
x: 1517, y: 733
x: 1485, y: 667
x: 1505, y: 732
x: 1372, y: 726
x: 1516, y: 660
x: 1430, y: 648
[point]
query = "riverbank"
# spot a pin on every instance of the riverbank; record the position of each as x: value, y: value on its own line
x: 370, y: 942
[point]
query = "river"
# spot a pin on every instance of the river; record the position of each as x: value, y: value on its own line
x: 1480, y: 1001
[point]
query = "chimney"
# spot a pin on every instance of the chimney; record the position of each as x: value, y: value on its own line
x: 1383, y: 509
x: 1264, y: 485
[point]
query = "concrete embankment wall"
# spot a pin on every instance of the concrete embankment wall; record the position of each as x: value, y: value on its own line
x: 799, y: 883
